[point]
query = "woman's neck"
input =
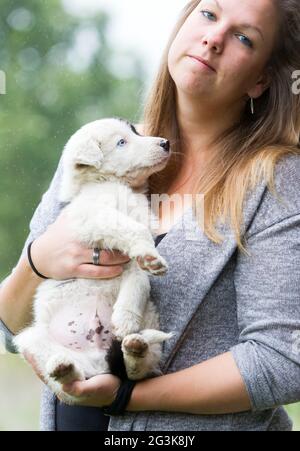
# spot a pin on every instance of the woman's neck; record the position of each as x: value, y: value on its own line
x: 200, y: 123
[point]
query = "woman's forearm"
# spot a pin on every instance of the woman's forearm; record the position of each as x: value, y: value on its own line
x: 16, y: 296
x: 211, y: 387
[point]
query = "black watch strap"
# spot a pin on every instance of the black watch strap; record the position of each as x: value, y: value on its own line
x: 118, y: 406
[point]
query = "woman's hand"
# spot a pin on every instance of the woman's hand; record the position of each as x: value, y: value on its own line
x: 57, y: 255
x: 99, y: 391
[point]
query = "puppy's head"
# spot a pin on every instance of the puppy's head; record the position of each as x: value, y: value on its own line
x: 108, y: 150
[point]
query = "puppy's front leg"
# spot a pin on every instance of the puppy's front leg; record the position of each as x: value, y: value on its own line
x: 118, y: 231
x: 128, y: 311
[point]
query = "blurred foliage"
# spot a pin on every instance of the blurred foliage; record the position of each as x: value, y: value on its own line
x: 61, y: 73
x: 19, y: 395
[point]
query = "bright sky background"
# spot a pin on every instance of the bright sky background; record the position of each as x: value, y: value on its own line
x: 139, y: 26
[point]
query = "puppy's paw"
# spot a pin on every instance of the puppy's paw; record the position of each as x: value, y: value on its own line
x: 149, y: 259
x: 125, y: 322
x: 156, y: 265
x: 135, y: 345
x: 62, y: 370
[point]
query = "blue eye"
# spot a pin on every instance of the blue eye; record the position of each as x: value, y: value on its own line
x: 122, y: 143
x: 247, y: 41
x: 207, y: 12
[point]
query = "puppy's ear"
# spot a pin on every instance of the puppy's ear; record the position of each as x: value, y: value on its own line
x: 88, y: 153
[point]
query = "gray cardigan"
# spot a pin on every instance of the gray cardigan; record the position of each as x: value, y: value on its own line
x: 216, y: 300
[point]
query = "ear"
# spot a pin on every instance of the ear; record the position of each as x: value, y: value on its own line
x: 262, y: 84
x: 88, y: 153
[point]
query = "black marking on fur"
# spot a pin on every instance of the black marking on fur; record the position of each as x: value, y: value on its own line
x: 130, y: 125
x: 115, y: 360
x: 134, y: 130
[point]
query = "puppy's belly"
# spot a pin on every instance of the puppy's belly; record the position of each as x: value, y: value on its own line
x: 84, y: 326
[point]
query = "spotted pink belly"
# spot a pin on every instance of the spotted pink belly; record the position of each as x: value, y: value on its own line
x: 83, y: 327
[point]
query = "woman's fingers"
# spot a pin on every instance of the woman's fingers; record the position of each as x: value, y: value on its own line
x: 113, y: 258
x: 107, y: 258
x: 98, y: 272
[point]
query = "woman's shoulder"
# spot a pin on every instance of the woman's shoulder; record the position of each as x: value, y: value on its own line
x: 283, y: 202
x: 287, y: 179
x: 288, y: 167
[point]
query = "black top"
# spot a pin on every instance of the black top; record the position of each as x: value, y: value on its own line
x: 79, y: 418
x: 159, y: 238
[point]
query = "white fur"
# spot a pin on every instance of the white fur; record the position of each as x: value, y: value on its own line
x: 98, y: 176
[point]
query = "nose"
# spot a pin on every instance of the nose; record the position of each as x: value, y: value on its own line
x: 165, y: 144
x: 214, y: 42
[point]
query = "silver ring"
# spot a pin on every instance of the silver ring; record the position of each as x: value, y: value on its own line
x: 96, y: 256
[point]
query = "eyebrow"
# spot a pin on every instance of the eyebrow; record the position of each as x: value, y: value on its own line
x: 244, y: 25
x: 252, y: 27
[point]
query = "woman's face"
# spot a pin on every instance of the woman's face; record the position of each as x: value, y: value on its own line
x: 236, y: 38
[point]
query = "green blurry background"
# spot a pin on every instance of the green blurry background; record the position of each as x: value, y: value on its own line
x: 50, y: 93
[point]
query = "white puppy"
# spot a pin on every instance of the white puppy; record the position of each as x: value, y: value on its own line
x: 106, y: 165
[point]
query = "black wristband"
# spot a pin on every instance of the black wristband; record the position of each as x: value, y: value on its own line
x: 118, y: 406
x: 31, y: 262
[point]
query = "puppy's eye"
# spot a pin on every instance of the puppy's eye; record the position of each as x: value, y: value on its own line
x: 122, y: 143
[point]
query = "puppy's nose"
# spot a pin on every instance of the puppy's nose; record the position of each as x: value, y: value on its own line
x: 165, y: 144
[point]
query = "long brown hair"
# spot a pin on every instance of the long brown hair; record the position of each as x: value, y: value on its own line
x: 249, y: 150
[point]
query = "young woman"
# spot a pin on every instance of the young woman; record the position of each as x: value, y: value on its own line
x: 225, y: 97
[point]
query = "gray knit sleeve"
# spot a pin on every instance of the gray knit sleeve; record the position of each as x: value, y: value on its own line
x: 44, y: 215
x: 268, y: 302
x: 268, y: 298
x: 6, y: 344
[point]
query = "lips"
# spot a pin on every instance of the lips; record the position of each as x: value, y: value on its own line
x: 203, y: 61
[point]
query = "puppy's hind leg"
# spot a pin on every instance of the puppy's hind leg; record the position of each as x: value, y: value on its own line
x: 142, y: 353
x: 129, y: 308
x: 53, y: 360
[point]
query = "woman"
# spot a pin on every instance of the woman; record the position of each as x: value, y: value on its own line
x: 232, y: 290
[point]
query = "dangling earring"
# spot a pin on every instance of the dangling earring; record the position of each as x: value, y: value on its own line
x: 252, y: 105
